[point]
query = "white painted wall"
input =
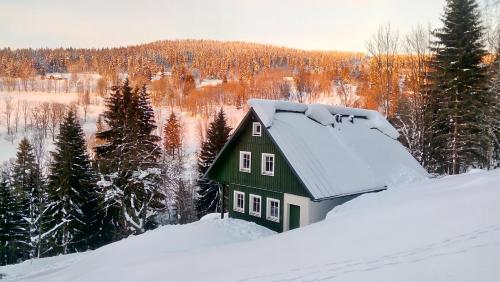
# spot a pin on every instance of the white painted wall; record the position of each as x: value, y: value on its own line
x: 318, y: 210
x: 310, y: 211
x: 302, y: 202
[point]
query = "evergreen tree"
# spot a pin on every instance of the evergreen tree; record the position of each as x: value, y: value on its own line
x: 114, y: 117
x: 146, y: 117
x: 72, y: 194
x: 11, y: 234
x: 128, y: 162
x: 217, y: 136
x: 143, y: 193
x: 172, y: 137
x: 494, y: 111
x: 457, y: 101
x: 28, y: 190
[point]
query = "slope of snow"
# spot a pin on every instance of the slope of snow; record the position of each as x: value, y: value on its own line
x: 444, y: 229
x: 108, y: 262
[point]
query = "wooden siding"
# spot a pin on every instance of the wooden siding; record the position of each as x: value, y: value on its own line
x: 227, y: 171
x: 276, y: 226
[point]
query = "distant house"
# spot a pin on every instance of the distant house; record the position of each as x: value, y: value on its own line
x: 288, y: 164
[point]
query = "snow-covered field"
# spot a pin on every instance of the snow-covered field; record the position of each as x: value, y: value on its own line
x: 192, y: 126
x: 444, y: 229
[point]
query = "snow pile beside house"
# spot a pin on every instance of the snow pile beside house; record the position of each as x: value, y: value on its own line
x: 109, y: 262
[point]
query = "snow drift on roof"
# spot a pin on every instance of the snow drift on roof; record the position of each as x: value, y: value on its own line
x: 266, y: 109
x: 320, y: 114
x: 343, y: 159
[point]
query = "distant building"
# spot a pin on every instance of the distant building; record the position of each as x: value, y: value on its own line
x: 210, y: 82
x: 288, y: 164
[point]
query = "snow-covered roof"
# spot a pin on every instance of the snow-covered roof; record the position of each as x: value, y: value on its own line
x: 337, y: 151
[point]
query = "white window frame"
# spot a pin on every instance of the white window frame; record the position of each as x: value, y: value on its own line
x: 251, y: 211
x: 235, y: 201
x: 256, y: 125
x: 268, y: 210
x: 243, y: 169
x: 263, y: 164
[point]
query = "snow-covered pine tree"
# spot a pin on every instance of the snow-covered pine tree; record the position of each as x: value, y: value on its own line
x: 70, y: 223
x: 457, y: 101
x: 114, y: 117
x: 11, y: 234
x: 108, y: 157
x: 146, y: 177
x: 27, y: 187
x: 208, y: 193
x: 172, y: 137
x: 494, y: 111
x: 128, y: 163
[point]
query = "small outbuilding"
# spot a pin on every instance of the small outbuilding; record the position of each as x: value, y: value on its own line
x: 288, y: 164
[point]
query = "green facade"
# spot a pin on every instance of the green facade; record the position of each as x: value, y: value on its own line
x: 276, y: 226
x: 226, y: 170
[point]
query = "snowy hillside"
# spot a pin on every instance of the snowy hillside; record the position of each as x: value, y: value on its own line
x: 444, y: 229
x: 192, y: 126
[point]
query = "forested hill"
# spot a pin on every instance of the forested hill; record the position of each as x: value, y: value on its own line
x: 213, y: 59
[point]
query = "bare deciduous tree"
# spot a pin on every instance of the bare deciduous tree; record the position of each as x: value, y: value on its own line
x: 57, y: 111
x: 25, y: 110
x: 303, y: 85
x: 409, y: 115
x: 85, y: 102
x: 383, y: 49
x: 8, y: 113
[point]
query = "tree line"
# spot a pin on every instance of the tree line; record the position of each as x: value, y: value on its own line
x: 132, y: 182
x: 449, y: 117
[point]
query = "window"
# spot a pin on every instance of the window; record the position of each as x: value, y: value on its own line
x: 245, y: 161
x: 256, y: 129
x: 239, y: 201
x: 255, y: 205
x: 273, y: 210
x: 268, y: 164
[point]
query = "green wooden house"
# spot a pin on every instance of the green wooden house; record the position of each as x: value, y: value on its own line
x: 288, y: 164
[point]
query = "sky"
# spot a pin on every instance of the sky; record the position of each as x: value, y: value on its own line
x: 305, y: 24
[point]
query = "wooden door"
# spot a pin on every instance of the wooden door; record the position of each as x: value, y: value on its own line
x: 294, y: 217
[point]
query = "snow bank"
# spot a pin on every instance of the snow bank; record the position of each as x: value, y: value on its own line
x: 444, y: 229
x: 213, y: 216
x: 110, y: 262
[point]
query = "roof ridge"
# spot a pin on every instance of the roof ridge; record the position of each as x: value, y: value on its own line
x: 266, y: 110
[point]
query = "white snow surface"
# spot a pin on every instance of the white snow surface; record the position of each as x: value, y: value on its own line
x: 320, y: 114
x: 376, y: 119
x: 338, y: 158
x: 266, y: 109
x: 444, y: 229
